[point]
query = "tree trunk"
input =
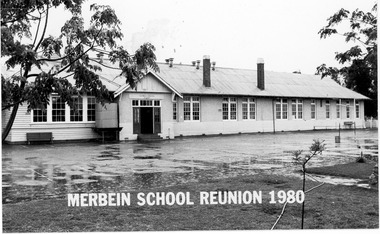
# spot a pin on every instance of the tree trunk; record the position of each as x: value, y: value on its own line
x: 303, y: 189
x: 10, y: 122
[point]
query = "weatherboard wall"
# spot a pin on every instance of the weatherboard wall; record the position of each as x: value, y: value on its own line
x: 62, y: 131
x: 211, y: 121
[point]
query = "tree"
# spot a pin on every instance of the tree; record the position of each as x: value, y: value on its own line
x: 359, y: 71
x: 71, y: 54
x: 315, y: 149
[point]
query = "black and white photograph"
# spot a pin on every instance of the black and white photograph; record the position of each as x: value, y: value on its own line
x: 189, y: 115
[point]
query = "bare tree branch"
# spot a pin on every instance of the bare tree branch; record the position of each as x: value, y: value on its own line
x: 46, y: 22
x: 37, y: 30
x: 12, y: 104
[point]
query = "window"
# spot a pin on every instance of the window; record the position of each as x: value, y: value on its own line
x: 174, y: 110
x: 229, y: 107
x: 58, y: 109
x: 313, y: 109
x: 196, y: 108
x: 40, y: 115
x: 157, y: 115
x: 348, y: 109
x: 91, y: 104
x: 338, y: 109
x: 281, y: 109
x: 297, y: 108
x: 191, y: 108
x: 146, y: 103
x: 187, y: 108
x: 76, y: 111
x: 357, y: 109
x: 249, y: 108
x: 327, y: 109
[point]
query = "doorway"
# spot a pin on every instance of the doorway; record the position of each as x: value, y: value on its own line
x: 146, y: 120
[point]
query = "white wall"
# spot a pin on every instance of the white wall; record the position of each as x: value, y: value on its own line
x: 210, y: 119
x: 61, y: 130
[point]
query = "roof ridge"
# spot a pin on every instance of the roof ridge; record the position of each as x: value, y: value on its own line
x: 235, y: 68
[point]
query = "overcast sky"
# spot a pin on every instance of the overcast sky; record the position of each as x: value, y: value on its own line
x: 233, y: 33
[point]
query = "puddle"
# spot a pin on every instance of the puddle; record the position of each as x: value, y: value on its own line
x: 341, y: 181
x: 158, y: 156
x: 44, y: 171
x: 31, y: 183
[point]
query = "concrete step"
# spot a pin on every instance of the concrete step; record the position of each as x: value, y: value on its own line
x: 149, y: 137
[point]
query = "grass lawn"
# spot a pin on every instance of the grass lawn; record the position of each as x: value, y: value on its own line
x: 327, y: 207
x: 352, y: 170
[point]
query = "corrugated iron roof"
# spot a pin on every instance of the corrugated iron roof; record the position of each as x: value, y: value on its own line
x: 186, y: 79
x: 109, y: 76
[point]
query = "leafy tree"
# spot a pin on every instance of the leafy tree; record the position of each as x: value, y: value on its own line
x: 359, y: 71
x: 70, y: 54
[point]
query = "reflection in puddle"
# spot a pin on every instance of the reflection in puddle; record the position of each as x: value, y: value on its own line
x: 35, y: 172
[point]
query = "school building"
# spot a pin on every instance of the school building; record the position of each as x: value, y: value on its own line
x: 196, y: 99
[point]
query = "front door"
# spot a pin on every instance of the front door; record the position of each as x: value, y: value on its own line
x: 146, y: 117
x: 146, y: 120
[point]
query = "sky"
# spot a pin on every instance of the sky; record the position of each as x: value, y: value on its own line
x: 233, y: 33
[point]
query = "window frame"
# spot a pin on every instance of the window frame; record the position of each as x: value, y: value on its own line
x: 348, y: 114
x: 58, y: 117
x: 283, y: 105
x: 297, y: 108
x: 65, y: 110
x: 327, y: 109
x: 175, y: 111
x: 313, y: 104
x: 357, y: 109
x: 248, y: 109
x: 338, y: 109
x: 42, y: 114
x: 231, y: 110
x: 76, y: 112
x: 146, y: 103
x: 91, y: 110
x: 193, y: 103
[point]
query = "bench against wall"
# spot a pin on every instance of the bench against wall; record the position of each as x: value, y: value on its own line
x: 39, y: 136
x: 348, y: 124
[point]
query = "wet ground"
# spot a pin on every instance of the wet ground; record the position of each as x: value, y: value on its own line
x: 43, y: 171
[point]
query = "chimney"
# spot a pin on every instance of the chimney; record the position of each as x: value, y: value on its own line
x: 193, y: 62
x: 171, y: 62
x: 213, y: 65
x: 198, y: 62
x: 260, y: 74
x: 206, y: 71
